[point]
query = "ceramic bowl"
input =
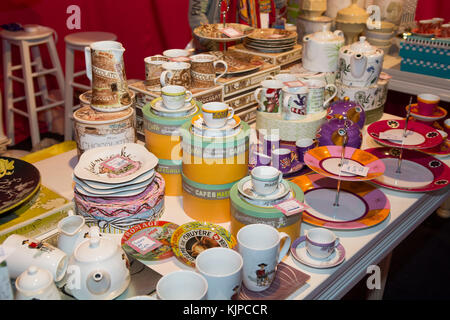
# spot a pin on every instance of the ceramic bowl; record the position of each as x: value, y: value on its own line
x: 370, y: 34
x: 381, y: 43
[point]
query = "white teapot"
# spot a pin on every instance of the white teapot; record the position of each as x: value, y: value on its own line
x: 360, y: 64
x: 321, y: 50
x: 98, y: 269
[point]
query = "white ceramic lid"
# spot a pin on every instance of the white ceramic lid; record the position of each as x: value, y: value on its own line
x: 326, y: 35
x: 96, y: 248
x: 34, y: 279
x: 362, y: 46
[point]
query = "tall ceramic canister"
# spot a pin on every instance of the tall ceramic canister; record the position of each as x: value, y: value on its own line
x: 360, y: 64
x: 321, y: 50
x: 106, y: 70
x: 352, y: 21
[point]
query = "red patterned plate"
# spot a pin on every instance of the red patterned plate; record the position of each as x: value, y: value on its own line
x: 326, y: 159
x: 419, y: 172
x: 441, y: 150
x: 419, y: 135
x: 438, y: 114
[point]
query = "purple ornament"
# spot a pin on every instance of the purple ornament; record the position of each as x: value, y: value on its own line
x: 329, y: 133
x: 346, y: 109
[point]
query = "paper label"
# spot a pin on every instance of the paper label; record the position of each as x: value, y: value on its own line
x: 291, y: 207
x: 396, y: 136
x: 231, y: 32
x: 355, y: 169
x: 144, y: 244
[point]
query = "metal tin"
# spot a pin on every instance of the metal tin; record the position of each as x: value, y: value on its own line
x: 170, y: 170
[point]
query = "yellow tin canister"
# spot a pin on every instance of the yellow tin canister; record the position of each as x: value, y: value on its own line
x: 170, y: 170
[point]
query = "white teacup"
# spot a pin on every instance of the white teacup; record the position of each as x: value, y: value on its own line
x: 182, y: 285
x: 259, y: 246
x: 175, y: 97
x: 31, y: 252
x: 266, y: 179
x: 216, y: 114
x: 320, y: 242
x: 222, y: 268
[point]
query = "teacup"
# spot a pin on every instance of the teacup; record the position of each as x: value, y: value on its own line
x: 203, y: 70
x: 259, y: 246
x: 316, y: 95
x: 427, y: 103
x: 269, y: 97
x: 216, y: 114
x: 175, y: 53
x: 302, y: 146
x: 265, y: 179
x: 320, y: 242
x: 175, y: 97
x: 222, y: 268
x: 176, y: 73
x: 282, y: 159
x: 182, y: 285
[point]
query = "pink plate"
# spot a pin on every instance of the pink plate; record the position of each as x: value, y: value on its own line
x: 419, y: 172
x: 326, y: 159
x: 419, y: 136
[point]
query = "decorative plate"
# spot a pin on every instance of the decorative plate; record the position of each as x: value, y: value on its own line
x: 212, y: 31
x: 272, y: 34
x: 438, y: 114
x: 419, y: 172
x: 146, y: 177
x: 268, y: 50
x: 99, y: 192
x: 238, y: 62
x: 158, y: 106
x: 441, y: 150
x: 149, y: 241
x: 419, y: 135
x: 115, y: 164
x: 326, y: 160
x: 299, y: 252
x: 361, y: 205
x: 190, y: 239
x: 84, y: 190
x: 19, y: 181
x: 245, y: 188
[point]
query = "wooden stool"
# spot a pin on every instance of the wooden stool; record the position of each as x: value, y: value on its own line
x: 26, y: 41
x: 77, y: 42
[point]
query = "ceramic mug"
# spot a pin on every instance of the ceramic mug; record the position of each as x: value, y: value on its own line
x: 29, y: 252
x: 259, y: 246
x: 316, y: 95
x: 282, y: 159
x: 216, y: 114
x: 427, y: 103
x: 175, y: 97
x: 176, y: 73
x: 303, y: 145
x: 270, y: 143
x: 36, y: 284
x: 265, y: 179
x: 182, y: 285
x: 153, y: 70
x: 294, y: 103
x: 222, y: 269
x: 72, y: 231
x: 320, y: 242
x: 269, y: 97
x: 203, y: 70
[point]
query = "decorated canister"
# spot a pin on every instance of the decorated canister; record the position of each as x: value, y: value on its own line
x: 170, y: 170
x: 381, y: 96
x: 244, y: 213
x: 162, y: 136
x: 118, y: 214
x: 217, y: 160
x: 206, y: 202
x: 100, y: 129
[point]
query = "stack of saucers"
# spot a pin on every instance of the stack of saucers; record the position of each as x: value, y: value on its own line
x: 117, y: 187
x: 271, y: 40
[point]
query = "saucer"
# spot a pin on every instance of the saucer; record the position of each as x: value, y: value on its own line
x: 200, y: 128
x: 299, y: 252
x: 438, y: 114
x: 267, y: 203
x: 158, y: 105
x: 246, y: 189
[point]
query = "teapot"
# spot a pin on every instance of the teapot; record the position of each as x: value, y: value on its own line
x: 360, y: 64
x: 98, y: 269
x: 321, y: 50
x: 73, y: 231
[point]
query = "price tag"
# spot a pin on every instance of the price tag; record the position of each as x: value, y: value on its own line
x: 293, y: 84
x: 291, y: 207
x: 144, y: 244
x: 396, y: 136
x: 231, y: 32
x: 355, y: 169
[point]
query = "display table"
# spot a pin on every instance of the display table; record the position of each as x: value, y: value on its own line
x: 414, y: 83
x: 363, y: 248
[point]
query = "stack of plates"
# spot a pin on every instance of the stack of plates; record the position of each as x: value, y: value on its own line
x: 117, y: 187
x: 158, y: 108
x: 246, y: 192
x: 271, y: 40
